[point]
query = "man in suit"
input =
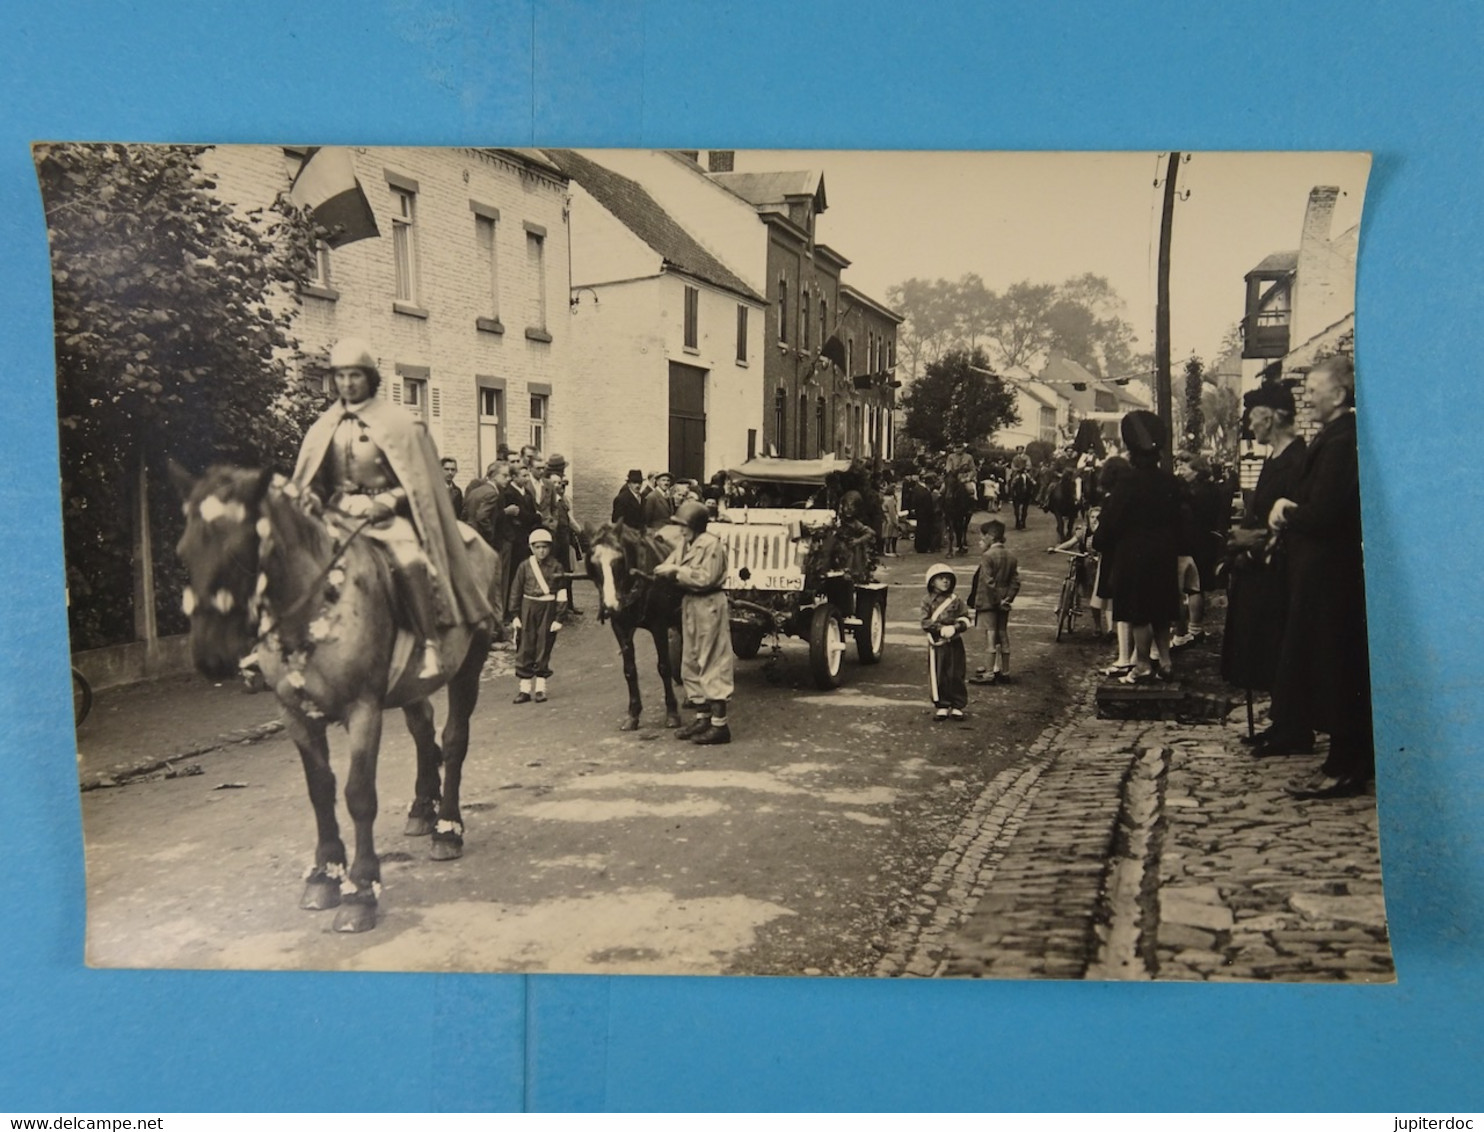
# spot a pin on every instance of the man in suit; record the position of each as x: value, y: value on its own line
x: 1325, y: 664
x: 628, y: 504
x: 450, y: 470
x: 659, y: 504
x: 486, y: 511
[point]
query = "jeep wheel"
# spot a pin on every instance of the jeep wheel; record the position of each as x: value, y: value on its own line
x: 870, y: 638
x: 746, y: 641
x: 826, y: 646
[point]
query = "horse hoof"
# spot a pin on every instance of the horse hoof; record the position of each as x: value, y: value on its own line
x: 320, y: 893
x: 357, y: 916
x: 630, y: 724
x: 418, y: 826
x: 447, y: 847
x: 672, y: 720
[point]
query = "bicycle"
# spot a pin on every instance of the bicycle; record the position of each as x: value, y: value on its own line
x: 82, y: 697
x: 1069, y: 602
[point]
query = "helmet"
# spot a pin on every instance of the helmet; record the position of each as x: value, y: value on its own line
x: 352, y: 352
x: 356, y: 353
x: 693, y: 515
x: 940, y: 568
x: 539, y: 537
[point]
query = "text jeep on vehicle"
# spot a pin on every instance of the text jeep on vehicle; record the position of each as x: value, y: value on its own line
x: 798, y: 568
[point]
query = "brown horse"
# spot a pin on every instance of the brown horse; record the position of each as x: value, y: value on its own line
x: 621, y: 563
x: 313, y: 605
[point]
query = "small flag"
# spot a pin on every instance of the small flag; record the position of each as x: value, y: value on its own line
x: 326, y: 185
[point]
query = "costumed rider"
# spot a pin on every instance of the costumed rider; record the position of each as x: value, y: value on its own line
x: 372, y: 463
x: 699, y: 567
x: 541, y: 584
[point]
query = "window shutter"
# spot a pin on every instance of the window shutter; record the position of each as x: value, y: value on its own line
x: 437, y: 396
x: 396, y: 392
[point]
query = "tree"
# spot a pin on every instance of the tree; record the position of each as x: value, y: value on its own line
x: 957, y: 400
x: 172, y: 316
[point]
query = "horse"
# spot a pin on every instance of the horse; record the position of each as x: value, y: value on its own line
x: 958, y: 510
x: 621, y: 562
x: 313, y: 605
x: 1022, y: 491
x: 1064, y: 501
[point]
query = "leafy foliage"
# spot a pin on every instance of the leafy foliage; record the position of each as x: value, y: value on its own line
x: 1195, y: 426
x: 957, y: 401
x: 1082, y: 317
x: 172, y: 324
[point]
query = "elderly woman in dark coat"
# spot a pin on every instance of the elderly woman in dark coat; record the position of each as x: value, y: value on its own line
x: 1257, y: 589
x: 1139, y: 528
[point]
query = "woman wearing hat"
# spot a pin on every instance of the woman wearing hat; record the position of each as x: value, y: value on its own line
x: 1257, y: 599
x: 1139, y: 527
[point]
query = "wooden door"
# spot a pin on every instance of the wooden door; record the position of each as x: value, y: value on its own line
x: 687, y: 421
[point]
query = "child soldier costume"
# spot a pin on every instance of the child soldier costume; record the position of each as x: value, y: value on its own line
x: 371, y: 462
x: 945, y: 619
x: 540, y: 586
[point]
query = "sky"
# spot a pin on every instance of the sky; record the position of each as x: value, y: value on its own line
x: 1047, y: 217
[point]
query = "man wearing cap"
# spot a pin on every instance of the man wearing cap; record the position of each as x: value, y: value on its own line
x: 628, y: 504
x: 541, y: 588
x: 699, y: 567
x: 370, y: 461
x: 659, y: 505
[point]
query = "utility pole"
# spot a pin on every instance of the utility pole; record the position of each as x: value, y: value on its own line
x: 1162, y: 393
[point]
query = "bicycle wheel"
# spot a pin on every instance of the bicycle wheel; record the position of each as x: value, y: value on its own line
x: 1066, y: 607
x: 82, y: 697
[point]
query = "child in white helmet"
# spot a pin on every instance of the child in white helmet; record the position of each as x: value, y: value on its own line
x: 945, y: 619
x: 541, y: 587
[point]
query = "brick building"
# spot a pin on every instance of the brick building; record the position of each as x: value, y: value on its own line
x: 667, y: 341
x: 464, y: 295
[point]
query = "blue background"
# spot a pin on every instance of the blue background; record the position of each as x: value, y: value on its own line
x: 1401, y: 79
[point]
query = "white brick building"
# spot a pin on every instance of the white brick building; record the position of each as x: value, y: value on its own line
x: 464, y: 295
x: 667, y: 342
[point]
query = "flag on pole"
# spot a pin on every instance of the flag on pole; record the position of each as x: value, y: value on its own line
x: 834, y: 350
x: 326, y: 185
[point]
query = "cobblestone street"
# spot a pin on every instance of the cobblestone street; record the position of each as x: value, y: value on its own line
x: 1130, y: 849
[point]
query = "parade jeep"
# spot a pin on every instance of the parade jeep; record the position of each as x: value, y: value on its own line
x: 791, y: 569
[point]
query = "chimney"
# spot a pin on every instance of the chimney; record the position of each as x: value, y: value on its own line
x: 720, y: 160
x: 1324, y: 278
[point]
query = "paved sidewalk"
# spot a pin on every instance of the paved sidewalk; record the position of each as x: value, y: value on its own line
x: 1132, y: 849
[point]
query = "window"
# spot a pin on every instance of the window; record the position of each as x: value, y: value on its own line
x: 824, y: 322
x: 410, y: 389
x: 321, y: 275
x: 404, y: 243
x: 850, y: 356
x: 804, y: 319
x: 536, y: 262
x: 782, y: 309
x: 803, y: 452
x: 491, y: 406
x: 741, y: 333
x: 871, y: 353
x: 780, y: 419
x: 540, y: 405
x: 692, y: 317
x: 821, y: 441
x: 486, y: 220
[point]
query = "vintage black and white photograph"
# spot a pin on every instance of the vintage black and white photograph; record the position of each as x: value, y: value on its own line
x: 902, y: 564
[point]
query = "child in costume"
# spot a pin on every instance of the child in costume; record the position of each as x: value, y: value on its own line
x: 996, y: 585
x: 945, y: 618
x: 541, y: 588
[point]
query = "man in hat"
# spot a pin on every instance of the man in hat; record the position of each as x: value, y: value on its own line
x: 373, y: 463
x: 659, y: 504
x: 699, y: 567
x: 628, y: 504
x: 1325, y: 662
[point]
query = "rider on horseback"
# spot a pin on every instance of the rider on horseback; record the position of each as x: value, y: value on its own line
x: 375, y: 465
